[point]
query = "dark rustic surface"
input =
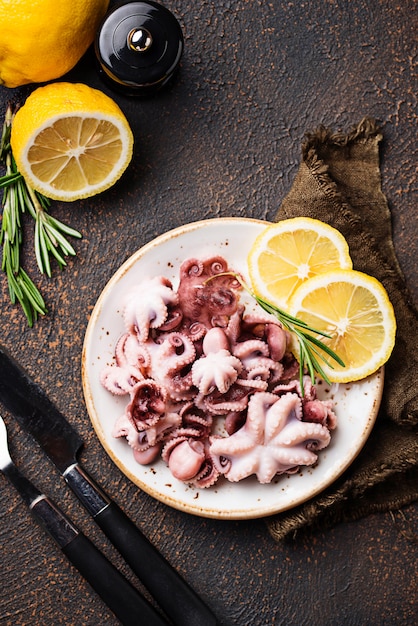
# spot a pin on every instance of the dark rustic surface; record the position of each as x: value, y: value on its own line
x: 224, y: 141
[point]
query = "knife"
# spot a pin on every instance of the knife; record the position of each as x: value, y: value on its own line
x: 129, y: 606
x: 60, y: 441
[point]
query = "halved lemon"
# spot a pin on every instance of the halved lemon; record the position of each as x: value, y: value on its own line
x: 355, y: 310
x: 289, y: 252
x: 70, y: 141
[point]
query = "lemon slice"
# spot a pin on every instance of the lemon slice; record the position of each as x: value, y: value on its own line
x: 286, y: 254
x: 355, y: 310
x: 70, y: 141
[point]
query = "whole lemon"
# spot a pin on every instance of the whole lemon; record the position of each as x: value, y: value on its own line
x: 70, y: 141
x: 43, y: 39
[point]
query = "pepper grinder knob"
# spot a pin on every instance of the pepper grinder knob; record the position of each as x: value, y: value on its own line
x: 138, y: 47
x: 139, y: 39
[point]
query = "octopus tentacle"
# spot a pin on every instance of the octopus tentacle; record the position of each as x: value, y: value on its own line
x: 291, y: 459
x: 252, y: 348
x: 207, y: 476
x: 191, y: 268
x: 173, y: 321
x: 201, y: 423
x: 176, y: 351
x: 120, y: 380
x: 194, y: 330
x: 255, y: 357
x: 223, y: 408
x: 260, y: 318
x: 130, y: 352
x: 234, y: 327
x: 256, y: 380
x: 293, y: 435
x: 288, y: 409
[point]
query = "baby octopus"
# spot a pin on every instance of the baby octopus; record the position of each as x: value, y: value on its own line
x: 273, y: 440
x: 190, y: 357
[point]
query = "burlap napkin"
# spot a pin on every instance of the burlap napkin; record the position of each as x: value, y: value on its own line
x: 339, y: 182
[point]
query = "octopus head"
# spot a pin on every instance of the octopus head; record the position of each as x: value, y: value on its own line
x: 186, y: 459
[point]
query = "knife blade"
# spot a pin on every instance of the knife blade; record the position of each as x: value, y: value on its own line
x: 35, y: 412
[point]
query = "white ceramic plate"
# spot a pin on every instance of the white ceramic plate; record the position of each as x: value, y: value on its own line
x: 356, y: 404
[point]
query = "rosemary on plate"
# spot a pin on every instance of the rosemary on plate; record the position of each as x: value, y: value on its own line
x: 50, y: 235
x: 310, y: 357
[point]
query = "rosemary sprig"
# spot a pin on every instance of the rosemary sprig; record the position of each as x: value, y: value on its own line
x: 309, y: 355
x: 49, y: 235
x: 49, y: 232
x: 309, y: 345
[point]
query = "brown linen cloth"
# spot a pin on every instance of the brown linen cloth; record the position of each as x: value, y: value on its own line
x: 339, y: 183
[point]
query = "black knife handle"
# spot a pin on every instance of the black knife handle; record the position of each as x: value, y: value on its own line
x: 121, y: 597
x: 173, y: 594
x: 129, y: 606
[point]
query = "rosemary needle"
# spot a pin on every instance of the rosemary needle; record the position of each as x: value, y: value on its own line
x: 49, y: 234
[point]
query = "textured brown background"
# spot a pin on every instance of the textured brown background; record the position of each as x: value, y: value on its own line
x: 225, y: 141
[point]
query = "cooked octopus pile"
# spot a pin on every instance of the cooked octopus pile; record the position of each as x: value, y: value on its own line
x: 192, y: 357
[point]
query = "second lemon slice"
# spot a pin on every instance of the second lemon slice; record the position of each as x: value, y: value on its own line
x: 289, y: 252
x: 354, y: 309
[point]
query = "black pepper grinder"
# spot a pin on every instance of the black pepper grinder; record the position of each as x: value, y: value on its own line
x: 138, y: 47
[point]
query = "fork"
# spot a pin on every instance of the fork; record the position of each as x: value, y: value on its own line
x: 129, y: 606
